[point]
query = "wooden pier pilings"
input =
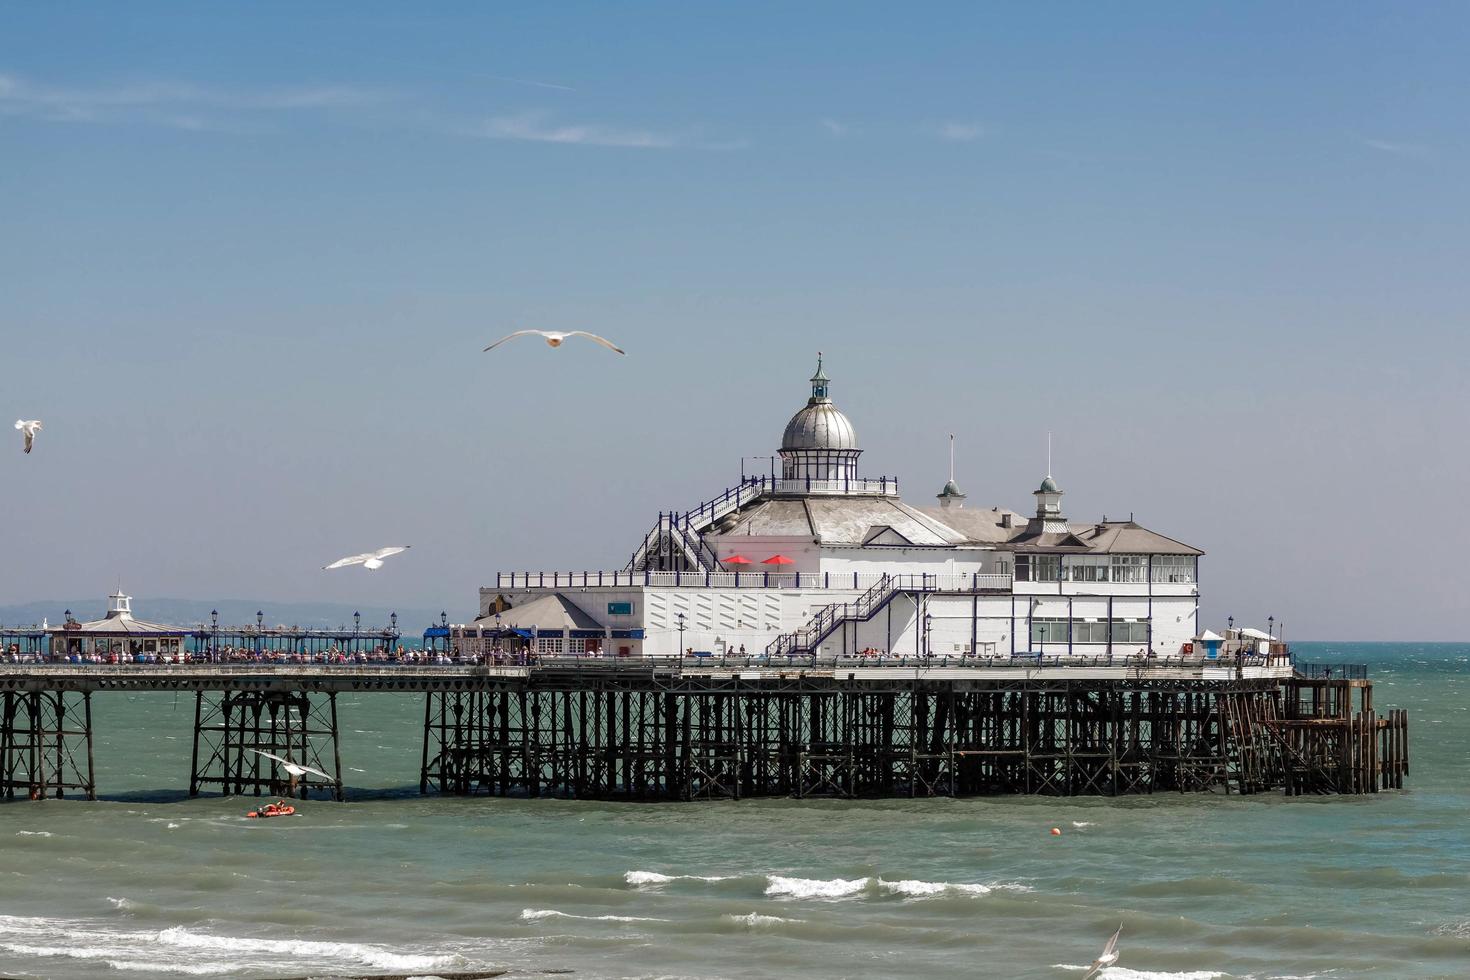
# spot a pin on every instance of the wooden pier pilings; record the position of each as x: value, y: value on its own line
x: 722, y: 738
x: 625, y: 730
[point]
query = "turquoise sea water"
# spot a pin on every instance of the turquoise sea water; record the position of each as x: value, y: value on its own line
x: 149, y: 883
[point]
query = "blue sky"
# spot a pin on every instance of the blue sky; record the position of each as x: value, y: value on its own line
x: 248, y: 258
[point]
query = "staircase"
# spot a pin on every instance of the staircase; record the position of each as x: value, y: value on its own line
x: 676, y: 541
x: 807, y: 640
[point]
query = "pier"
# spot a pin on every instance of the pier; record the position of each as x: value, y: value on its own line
x: 676, y: 729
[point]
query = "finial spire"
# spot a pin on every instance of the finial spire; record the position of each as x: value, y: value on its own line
x: 1048, y: 454
x: 951, y: 457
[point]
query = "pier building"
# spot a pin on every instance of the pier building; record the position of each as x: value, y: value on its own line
x: 817, y: 559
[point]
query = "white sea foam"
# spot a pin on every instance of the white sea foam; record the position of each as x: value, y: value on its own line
x: 535, y: 915
x: 1079, y: 824
x: 139, y: 951
x: 172, y: 826
x: 643, y: 878
x: 778, y: 886
x: 120, y: 903
x: 33, y: 833
x: 754, y: 920
x: 928, y: 889
x: 1123, y: 973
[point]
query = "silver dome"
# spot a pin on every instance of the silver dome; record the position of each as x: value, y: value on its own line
x: 819, y: 426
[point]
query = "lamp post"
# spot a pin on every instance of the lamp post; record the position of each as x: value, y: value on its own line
x: 444, y: 619
x: 681, y: 634
x: 928, y: 631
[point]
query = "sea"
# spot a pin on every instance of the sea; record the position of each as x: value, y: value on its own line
x: 146, y: 882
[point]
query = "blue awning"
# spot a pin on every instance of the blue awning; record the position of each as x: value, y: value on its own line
x: 436, y: 631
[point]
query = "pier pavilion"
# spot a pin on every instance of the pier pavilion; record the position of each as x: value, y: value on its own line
x: 821, y: 561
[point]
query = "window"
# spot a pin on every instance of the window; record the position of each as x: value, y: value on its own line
x: 548, y: 644
x: 1130, y: 631
x: 1049, y: 630
x: 620, y: 609
x: 1130, y: 568
x: 1054, y: 631
x: 1089, y: 632
x: 1038, y: 568
x: 1088, y: 568
x: 1173, y: 568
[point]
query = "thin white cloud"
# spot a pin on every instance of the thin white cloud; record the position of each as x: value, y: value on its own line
x: 834, y: 127
x: 535, y: 127
x: 532, y: 83
x: 172, y: 104
x: 1403, y: 149
x: 961, y: 132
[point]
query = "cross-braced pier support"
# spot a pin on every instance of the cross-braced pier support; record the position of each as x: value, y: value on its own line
x: 230, y: 726
x: 717, y: 738
x: 46, y: 745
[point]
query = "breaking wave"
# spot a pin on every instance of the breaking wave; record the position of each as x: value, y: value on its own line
x: 639, y: 879
x: 535, y: 915
x: 778, y: 886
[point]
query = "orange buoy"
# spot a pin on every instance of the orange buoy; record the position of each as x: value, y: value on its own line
x: 1056, y: 831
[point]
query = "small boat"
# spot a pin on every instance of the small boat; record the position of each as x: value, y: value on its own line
x: 272, y: 810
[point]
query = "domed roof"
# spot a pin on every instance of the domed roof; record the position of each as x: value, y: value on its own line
x: 951, y: 489
x: 1048, y: 486
x: 819, y: 426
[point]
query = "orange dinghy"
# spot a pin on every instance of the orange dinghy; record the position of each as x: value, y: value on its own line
x: 272, y: 810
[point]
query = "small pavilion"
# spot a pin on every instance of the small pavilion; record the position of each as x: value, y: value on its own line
x: 117, y: 635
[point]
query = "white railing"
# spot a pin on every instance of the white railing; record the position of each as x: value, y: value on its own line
x: 848, y: 581
x: 857, y: 486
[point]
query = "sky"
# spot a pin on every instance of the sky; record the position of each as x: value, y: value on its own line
x: 249, y: 257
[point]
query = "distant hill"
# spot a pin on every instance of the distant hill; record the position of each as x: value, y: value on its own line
x: 232, y: 612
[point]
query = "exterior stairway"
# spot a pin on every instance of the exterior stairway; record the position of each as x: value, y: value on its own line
x: 676, y: 541
x: 807, y: 640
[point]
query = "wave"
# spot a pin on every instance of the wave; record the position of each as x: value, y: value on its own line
x: 33, y: 833
x: 535, y: 915
x: 754, y: 920
x: 121, y: 903
x: 778, y: 886
x: 1079, y: 824
x: 140, y: 950
x: 929, y: 889
x: 641, y: 878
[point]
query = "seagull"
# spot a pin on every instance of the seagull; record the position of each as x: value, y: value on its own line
x: 32, y: 426
x: 555, y: 338
x: 294, y: 768
x: 371, y: 560
x: 1108, y: 957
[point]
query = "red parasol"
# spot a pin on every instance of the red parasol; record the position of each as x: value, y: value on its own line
x: 779, y: 560
x: 737, y: 560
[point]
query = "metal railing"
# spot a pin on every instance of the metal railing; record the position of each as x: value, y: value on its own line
x: 853, y: 581
x: 1332, y: 672
x: 469, y: 666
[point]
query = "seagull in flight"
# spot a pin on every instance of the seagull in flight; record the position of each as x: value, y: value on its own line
x: 555, y: 338
x: 371, y: 560
x: 1107, y: 958
x: 296, y: 769
x: 29, y: 428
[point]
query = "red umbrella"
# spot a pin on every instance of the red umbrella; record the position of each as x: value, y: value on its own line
x: 737, y: 560
x: 779, y: 560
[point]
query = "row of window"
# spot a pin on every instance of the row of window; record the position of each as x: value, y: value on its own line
x: 1104, y: 568
x: 1089, y: 631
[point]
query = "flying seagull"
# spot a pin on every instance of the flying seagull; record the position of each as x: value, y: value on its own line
x: 555, y: 338
x: 371, y: 560
x: 1108, y: 957
x: 30, y: 427
x: 294, y: 768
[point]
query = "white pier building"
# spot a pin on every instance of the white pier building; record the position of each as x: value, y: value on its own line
x: 820, y: 563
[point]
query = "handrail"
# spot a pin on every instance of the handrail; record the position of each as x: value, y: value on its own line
x: 964, y: 582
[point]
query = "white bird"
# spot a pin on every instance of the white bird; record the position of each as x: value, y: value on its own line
x: 555, y: 338
x: 29, y: 428
x: 371, y: 560
x: 1108, y: 958
x: 296, y: 769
